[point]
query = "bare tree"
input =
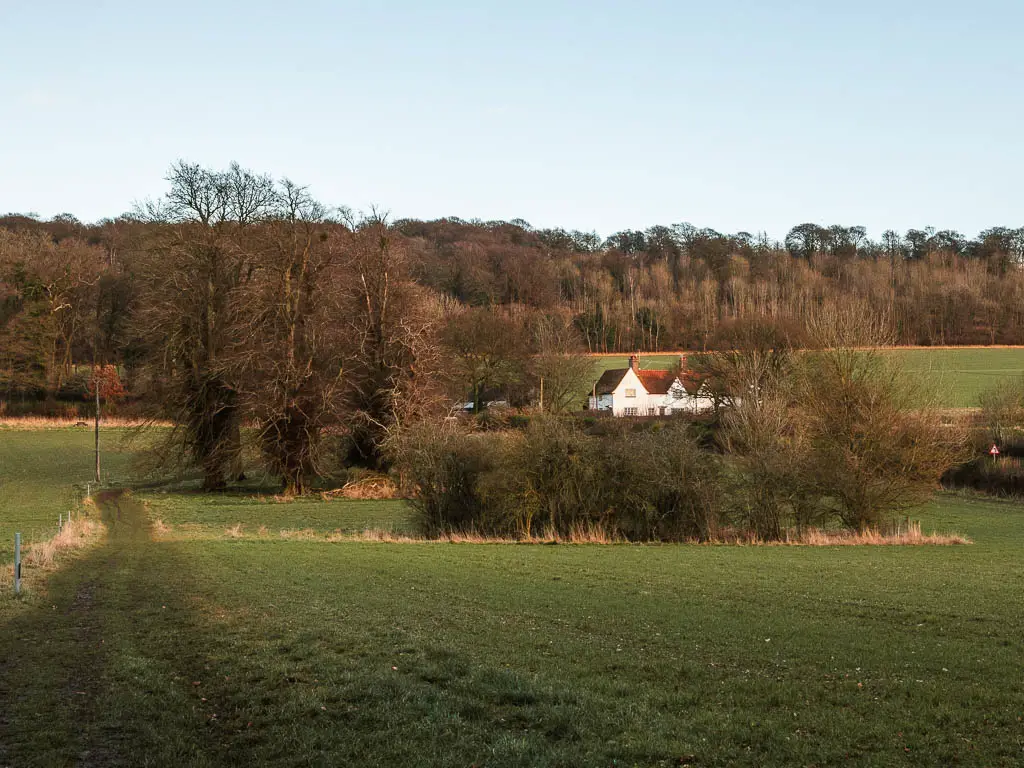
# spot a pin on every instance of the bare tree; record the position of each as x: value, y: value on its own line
x: 754, y: 356
x: 392, y: 363
x: 1002, y: 409
x: 763, y: 438
x: 487, y: 349
x: 559, y: 369
x: 190, y: 266
x: 876, y: 441
x: 285, y: 356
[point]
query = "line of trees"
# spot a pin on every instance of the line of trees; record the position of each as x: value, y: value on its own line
x: 66, y: 288
x: 255, y: 304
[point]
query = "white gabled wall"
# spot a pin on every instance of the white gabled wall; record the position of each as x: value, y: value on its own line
x: 619, y: 400
x: 683, y: 401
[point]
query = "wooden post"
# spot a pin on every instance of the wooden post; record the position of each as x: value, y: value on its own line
x: 542, y: 393
x: 96, y: 380
x: 17, y: 563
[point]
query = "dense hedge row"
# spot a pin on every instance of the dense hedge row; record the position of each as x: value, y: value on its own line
x: 552, y: 478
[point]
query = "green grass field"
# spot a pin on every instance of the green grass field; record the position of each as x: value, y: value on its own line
x: 959, y: 376
x: 43, y: 474
x: 205, y: 650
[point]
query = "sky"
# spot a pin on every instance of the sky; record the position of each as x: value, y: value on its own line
x: 590, y: 115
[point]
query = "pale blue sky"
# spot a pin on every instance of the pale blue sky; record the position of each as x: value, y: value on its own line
x: 593, y: 115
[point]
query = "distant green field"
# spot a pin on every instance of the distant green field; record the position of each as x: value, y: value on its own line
x: 43, y: 474
x: 961, y: 375
x: 958, y: 375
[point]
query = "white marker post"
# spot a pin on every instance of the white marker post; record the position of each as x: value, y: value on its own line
x: 17, y: 563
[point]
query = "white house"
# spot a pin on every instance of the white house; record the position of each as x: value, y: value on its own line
x: 635, y: 391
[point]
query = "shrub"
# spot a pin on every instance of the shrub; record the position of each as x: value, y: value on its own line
x: 875, y: 447
x: 548, y: 481
x: 766, y: 453
x: 444, y: 467
x: 661, y: 486
x: 553, y: 480
x: 1002, y: 477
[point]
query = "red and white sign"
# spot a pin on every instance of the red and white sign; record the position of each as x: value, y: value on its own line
x: 993, y: 451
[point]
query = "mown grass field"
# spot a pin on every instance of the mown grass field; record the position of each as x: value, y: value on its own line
x: 197, y: 648
x: 958, y: 376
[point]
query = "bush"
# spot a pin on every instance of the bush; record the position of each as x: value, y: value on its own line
x: 445, y: 466
x: 835, y: 436
x: 1002, y: 477
x: 766, y: 457
x: 875, y: 447
x: 548, y: 482
x: 554, y: 480
x: 663, y: 487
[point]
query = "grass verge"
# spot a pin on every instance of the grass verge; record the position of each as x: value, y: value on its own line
x: 41, y: 558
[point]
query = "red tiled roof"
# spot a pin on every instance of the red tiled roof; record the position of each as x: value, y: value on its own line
x: 656, y: 382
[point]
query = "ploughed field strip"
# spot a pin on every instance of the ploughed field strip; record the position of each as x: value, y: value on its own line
x: 210, y: 650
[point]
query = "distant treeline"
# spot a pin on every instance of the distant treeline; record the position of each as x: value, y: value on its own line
x: 72, y: 292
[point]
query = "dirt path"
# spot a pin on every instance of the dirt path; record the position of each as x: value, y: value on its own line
x: 124, y: 516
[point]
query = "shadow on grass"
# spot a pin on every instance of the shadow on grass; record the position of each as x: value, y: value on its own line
x: 71, y: 688
x: 255, y: 653
x: 191, y: 486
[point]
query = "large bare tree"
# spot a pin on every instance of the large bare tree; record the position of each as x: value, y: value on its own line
x: 392, y: 361
x: 286, y: 355
x: 190, y: 266
x: 487, y: 349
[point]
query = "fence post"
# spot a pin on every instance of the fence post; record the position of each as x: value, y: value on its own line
x: 17, y: 563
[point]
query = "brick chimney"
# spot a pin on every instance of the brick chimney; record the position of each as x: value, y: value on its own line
x: 634, y: 362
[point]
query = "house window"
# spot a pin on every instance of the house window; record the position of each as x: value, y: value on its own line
x: 630, y: 393
x: 631, y: 411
